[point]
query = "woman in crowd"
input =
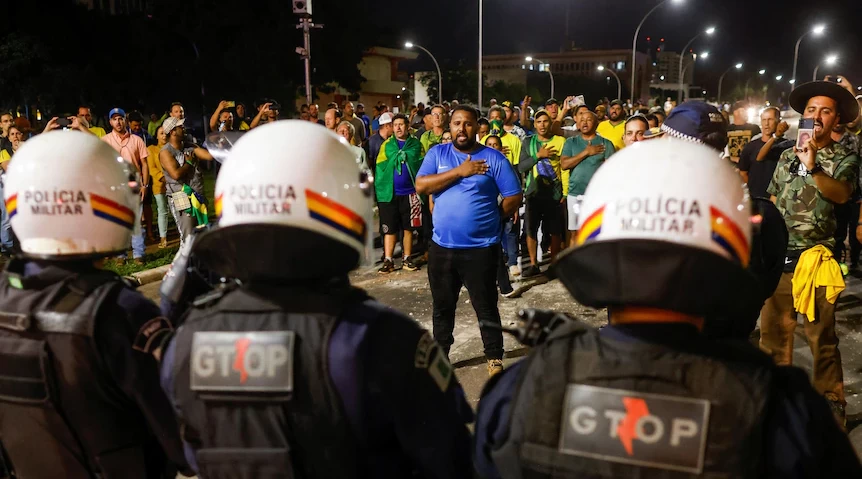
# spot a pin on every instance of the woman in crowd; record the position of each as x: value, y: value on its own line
x: 157, y: 177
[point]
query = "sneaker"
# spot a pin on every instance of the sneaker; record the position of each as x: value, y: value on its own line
x: 515, y: 293
x: 844, y: 269
x: 163, y: 243
x: 388, y: 267
x: 514, y: 270
x: 495, y: 366
x: 409, y: 265
x: 531, y: 271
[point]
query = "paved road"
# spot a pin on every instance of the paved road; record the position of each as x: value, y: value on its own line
x: 408, y: 292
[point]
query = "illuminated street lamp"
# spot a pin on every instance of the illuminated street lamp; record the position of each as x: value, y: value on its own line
x: 738, y: 66
x: 708, y: 31
x: 829, y: 61
x: 619, y: 84
x: 548, y: 69
x: 439, y: 74
x: 817, y: 30
x: 635, y: 40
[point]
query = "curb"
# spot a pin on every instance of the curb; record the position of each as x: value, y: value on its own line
x: 150, y: 275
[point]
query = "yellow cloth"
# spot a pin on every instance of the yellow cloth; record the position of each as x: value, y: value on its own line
x: 4, y: 156
x: 613, y: 133
x: 97, y: 130
x: 243, y: 126
x: 513, y: 143
x: 816, y: 268
x: 157, y: 175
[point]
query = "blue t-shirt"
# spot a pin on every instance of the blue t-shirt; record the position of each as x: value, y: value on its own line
x: 466, y: 213
x: 401, y: 179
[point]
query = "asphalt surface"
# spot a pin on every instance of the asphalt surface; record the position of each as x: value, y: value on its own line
x: 409, y: 293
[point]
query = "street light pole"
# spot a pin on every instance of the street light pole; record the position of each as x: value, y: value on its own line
x: 708, y: 31
x: 439, y: 74
x: 830, y: 60
x: 550, y: 73
x: 635, y: 44
x: 817, y: 31
x: 480, y: 57
x: 619, y: 84
x: 738, y: 66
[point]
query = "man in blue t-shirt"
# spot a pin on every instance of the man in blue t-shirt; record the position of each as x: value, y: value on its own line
x: 466, y: 180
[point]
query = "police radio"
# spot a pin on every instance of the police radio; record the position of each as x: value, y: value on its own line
x: 534, y: 325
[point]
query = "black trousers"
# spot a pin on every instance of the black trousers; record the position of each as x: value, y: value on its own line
x: 847, y: 215
x: 476, y: 269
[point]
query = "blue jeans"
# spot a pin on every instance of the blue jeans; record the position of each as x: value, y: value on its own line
x: 162, y: 207
x: 138, y: 246
x: 510, y: 241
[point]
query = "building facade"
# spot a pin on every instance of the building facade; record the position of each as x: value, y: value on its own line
x: 514, y: 68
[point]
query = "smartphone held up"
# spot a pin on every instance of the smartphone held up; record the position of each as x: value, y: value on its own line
x: 806, y: 133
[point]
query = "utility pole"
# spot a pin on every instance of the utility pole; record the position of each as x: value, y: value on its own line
x: 303, y: 9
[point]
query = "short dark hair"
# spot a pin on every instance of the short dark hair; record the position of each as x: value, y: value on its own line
x: 467, y: 109
x: 400, y: 116
x: 773, y: 108
x: 583, y: 105
x: 136, y: 116
x: 652, y: 117
x: 483, y: 121
x: 493, y: 136
x: 176, y: 103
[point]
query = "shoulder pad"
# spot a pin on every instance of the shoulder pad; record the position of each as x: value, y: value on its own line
x: 209, y: 298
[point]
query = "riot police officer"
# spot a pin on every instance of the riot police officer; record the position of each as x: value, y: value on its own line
x: 287, y: 370
x: 79, y: 395
x: 664, y: 244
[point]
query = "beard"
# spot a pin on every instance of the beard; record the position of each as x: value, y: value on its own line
x: 465, y: 144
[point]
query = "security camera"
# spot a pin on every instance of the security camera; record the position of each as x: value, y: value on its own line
x: 302, y: 7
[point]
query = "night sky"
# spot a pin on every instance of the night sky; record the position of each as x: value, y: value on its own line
x: 761, y: 34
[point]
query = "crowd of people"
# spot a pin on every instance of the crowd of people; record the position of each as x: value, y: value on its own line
x: 611, y: 195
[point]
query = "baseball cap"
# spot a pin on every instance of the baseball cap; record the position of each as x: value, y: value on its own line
x: 360, y: 105
x: 848, y: 108
x: 653, y: 133
x: 542, y: 112
x: 617, y: 102
x: 508, y: 104
x: 386, y: 118
x: 552, y: 101
x: 117, y: 111
x: 697, y: 122
x: 170, y: 123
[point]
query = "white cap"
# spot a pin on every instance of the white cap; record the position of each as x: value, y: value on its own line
x: 69, y: 194
x: 386, y: 118
x: 690, y: 198
x: 294, y: 173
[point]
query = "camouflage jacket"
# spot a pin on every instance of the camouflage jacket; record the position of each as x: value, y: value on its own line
x: 810, y: 217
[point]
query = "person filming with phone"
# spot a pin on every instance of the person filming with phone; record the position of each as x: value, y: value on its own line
x: 810, y: 180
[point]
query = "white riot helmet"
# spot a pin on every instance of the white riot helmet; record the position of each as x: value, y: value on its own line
x: 666, y: 225
x: 69, y: 195
x: 292, y: 203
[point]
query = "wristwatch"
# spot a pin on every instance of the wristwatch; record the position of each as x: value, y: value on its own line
x: 817, y: 168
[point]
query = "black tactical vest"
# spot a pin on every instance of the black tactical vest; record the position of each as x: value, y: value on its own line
x: 588, y: 406
x: 251, y: 379
x: 61, y: 415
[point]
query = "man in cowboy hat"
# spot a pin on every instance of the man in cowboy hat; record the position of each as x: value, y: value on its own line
x: 807, y: 185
